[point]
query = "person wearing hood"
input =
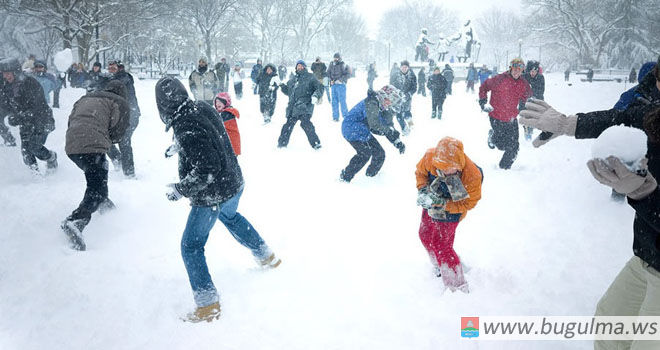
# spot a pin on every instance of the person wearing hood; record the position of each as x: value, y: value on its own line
x: 372, y: 116
x: 448, y: 185
x: 304, y: 91
x: 203, y: 82
x: 29, y: 111
x: 98, y: 119
x: 338, y: 74
x: 281, y: 70
x: 448, y: 73
x: 229, y: 115
x: 636, y: 289
x: 268, y: 83
x: 632, y: 94
x: 211, y: 178
x: 124, y: 154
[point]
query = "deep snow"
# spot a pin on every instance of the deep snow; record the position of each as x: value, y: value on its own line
x: 545, y: 239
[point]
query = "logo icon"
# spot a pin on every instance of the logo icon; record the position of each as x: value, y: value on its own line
x: 469, y: 327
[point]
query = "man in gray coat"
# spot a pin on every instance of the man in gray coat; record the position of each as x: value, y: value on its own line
x: 98, y: 120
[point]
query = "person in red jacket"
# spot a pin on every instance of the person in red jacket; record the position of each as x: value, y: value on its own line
x: 229, y: 114
x: 507, y: 91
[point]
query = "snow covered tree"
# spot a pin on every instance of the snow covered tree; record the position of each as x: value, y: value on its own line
x: 311, y: 17
x: 211, y: 17
x: 347, y: 33
x: 499, y: 31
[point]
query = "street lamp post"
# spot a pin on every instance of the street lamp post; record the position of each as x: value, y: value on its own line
x: 520, y: 48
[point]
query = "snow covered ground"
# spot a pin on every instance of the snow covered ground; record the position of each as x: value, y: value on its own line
x: 545, y: 239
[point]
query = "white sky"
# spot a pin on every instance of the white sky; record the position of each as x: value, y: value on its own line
x: 372, y: 10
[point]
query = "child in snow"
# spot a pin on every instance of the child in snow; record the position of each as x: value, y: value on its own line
x: 449, y: 185
x: 229, y: 114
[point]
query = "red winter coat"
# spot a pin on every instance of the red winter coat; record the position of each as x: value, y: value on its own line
x: 229, y: 115
x: 505, y: 94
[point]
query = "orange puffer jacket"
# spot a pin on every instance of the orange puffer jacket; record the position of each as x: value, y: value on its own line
x: 448, y: 155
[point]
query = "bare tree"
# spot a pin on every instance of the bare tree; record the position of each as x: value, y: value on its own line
x: 211, y: 17
x: 270, y: 19
x: 311, y: 18
x: 499, y: 32
x: 347, y: 33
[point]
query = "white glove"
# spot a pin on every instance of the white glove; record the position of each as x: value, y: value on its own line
x: 173, y: 194
x: 538, y: 114
x: 615, y: 174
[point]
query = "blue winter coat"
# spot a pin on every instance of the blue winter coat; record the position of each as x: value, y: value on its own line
x: 632, y: 94
x: 355, y: 126
x: 483, y: 75
x: 48, y: 83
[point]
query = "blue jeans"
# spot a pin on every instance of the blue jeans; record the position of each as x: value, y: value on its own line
x: 338, y: 96
x: 200, y: 222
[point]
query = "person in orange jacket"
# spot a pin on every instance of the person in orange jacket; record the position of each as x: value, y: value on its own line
x: 229, y: 114
x: 448, y: 184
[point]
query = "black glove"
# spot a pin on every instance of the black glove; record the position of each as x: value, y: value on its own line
x: 482, y: 103
x: 400, y: 146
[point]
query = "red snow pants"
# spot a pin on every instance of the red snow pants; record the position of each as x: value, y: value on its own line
x: 438, y: 239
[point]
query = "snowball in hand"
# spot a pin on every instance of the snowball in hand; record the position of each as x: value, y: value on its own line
x: 627, y: 144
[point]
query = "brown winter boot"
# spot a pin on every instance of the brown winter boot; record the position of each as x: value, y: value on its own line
x: 270, y: 262
x: 205, y: 313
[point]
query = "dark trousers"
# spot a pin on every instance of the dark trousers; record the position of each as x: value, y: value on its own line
x: 365, y: 150
x: 32, y: 146
x: 437, y: 100
x: 371, y: 84
x: 401, y: 118
x: 470, y: 86
x: 95, y: 167
x: 505, y: 138
x: 125, y: 152
x: 305, y: 124
x: 267, y: 103
x: 6, y: 134
x: 238, y: 89
x: 422, y: 89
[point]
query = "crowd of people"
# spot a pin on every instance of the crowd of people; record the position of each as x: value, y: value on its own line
x: 207, y: 140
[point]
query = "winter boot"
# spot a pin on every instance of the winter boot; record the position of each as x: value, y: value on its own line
x: 270, y: 262
x: 491, y: 145
x: 439, y: 115
x: 317, y: 146
x: 266, y: 118
x: 51, y: 163
x: 116, y: 164
x: 433, y: 115
x: 73, y: 230
x: 204, y: 313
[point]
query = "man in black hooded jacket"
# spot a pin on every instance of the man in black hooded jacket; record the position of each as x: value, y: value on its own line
x: 29, y: 111
x: 211, y: 178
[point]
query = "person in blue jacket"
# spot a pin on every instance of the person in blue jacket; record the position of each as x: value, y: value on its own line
x: 371, y: 116
x: 633, y: 93
x: 484, y: 73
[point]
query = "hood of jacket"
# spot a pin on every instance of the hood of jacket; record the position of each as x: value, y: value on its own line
x: 449, y: 155
x: 116, y: 87
x: 170, y: 96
